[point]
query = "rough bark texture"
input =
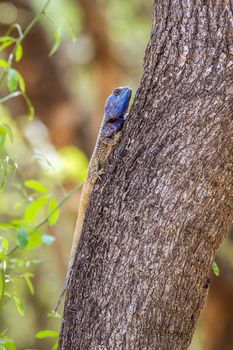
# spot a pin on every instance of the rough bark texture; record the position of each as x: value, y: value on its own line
x: 165, y: 203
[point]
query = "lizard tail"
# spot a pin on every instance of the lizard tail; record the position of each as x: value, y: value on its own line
x: 87, y: 189
x: 60, y: 299
x: 64, y: 288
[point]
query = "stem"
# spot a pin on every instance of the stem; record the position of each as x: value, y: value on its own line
x: 22, y: 37
x: 64, y: 199
x: 13, y: 250
x: 35, y: 19
x: 8, y: 97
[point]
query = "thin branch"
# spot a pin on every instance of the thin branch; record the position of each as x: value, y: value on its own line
x: 22, y: 37
x: 64, y: 199
x: 46, y: 219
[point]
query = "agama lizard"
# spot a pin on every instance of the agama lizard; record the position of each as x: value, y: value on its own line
x: 110, y: 132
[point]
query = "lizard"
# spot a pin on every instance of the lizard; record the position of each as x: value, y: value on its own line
x: 109, y: 135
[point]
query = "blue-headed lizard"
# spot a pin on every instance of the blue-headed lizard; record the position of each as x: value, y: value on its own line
x: 110, y: 132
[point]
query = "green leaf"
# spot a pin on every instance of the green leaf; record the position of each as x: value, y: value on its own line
x: 47, y: 239
x: 4, y: 64
x: 35, y: 240
x: 12, y: 80
x: 47, y: 333
x: 34, y: 208
x: 5, y: 226
x: 5, y: 45
x: 4, y: 169
x: 2, y: 136
x: 27, y: 276
x: 7, y: 344
x: 57, y: 41
x: 55, y: 346
x: 9, y: 132
x: 18, y: 223
x: 7, y: 38
x: 215, y: 269
x: 31, y: 110
x: 22, y: 237
x: 36, y: 185
x: 6, y: 41
x: 3, y: 245
x: 54, y: 211
x: 20, y: 306
x: 19, y: 52
x: 2, y: 284
x: 22, y: 85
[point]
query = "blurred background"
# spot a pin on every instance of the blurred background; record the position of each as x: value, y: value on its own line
x: 101, y: 46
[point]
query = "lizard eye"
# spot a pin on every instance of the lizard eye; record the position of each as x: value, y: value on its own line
x: 117, y: 92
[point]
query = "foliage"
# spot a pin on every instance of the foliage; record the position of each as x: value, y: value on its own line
x: 32, y: 204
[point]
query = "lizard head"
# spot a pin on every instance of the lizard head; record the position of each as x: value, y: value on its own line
x: 118, y: 102
x: 114, y: 111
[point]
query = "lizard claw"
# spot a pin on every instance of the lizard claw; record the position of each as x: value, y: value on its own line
x: 100, y: 173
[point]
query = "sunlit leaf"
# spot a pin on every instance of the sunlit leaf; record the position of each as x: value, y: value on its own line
x: 12, y: 80
x: 31, y: 110
x: 47, y: 239
x: 27, y: 276
x: 4, y: 64
x: 57, y: 41
x: 9, y: 132
x: 18, y: 223
x: 21, y: 81
x: 22, y: 237
x: 6, y: 38
x: 47, y: 333
x: 54, y: 211
x: 2, y: 284
x: 3, y: 172
x: 20, y: 306
x: 35, y: 240
x: 5, y: 226
x: 19, y: 52
x: 34, y: 208
x: 3, y: 245
x: 8, y: 344
x: 6, y: 41
x: 2, y: 136
x: 55, y: 346
x: 215, y: 269
x: 36, y: 185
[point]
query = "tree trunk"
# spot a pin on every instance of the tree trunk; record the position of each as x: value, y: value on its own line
x: 164, y: 205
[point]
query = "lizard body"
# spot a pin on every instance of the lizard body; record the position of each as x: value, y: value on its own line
x: 110, y: 132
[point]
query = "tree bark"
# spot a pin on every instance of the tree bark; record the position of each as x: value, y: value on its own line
x: 164, y: 205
